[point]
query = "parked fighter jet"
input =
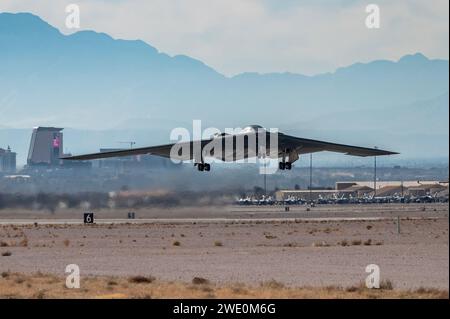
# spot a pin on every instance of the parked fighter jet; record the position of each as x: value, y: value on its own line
x: 253, y: 141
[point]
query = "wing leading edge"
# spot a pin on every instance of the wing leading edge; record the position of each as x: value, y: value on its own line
x: 162, y: 150
x: 305, y: 146
x: 183, y: 152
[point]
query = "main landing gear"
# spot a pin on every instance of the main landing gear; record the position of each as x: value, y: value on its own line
x: 203, y: 167
x: 285, y: 165
x: 287, y: 154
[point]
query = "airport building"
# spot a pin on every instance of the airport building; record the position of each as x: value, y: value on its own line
x: 398, y: 188
x: 7, y: 161
x: 46, y: 147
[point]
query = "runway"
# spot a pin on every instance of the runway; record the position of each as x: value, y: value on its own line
x: 181, y: 221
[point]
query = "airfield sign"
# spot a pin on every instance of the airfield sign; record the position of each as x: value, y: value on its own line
x: 88, y: 218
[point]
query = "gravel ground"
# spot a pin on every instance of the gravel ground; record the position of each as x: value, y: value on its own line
x: 306, y: 253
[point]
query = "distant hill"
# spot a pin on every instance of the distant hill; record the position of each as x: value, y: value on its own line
x: 91, y: 81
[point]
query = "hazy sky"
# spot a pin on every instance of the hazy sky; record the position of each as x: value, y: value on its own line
x: 234, y: 36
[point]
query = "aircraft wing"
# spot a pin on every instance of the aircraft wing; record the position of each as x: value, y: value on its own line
x: 161, y: 150
x: 183, y: 152
x: 305, y: 146
x: 299, y: 145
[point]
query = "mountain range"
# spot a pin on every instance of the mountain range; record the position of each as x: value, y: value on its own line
x: 122, y: 89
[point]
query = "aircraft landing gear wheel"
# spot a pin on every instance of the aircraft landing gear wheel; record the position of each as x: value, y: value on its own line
x: 282, y: 165
x: 207, y: 167
x: 201, y: 167
x: 288, y: 165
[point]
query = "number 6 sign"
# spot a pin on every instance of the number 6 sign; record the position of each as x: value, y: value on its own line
x: 88, y: 218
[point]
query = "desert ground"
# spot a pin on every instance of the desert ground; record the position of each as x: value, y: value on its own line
x: 40, y: 286
x: 305, y: 253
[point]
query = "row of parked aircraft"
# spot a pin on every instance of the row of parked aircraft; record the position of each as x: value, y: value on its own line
x: 292, y: 200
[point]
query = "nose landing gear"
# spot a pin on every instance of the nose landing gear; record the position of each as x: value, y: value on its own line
x: 203, y: 167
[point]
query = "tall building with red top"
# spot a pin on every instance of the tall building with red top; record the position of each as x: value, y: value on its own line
x: 46, y: 146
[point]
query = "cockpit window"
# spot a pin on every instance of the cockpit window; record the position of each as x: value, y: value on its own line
x: 252, y: 129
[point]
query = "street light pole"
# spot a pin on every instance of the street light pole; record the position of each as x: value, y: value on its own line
x: 310, y: 178
x: 265, y: 178
x: 402, y: 188
x: 375, y: 177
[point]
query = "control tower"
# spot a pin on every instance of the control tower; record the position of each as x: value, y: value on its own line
x: 46, y: 146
